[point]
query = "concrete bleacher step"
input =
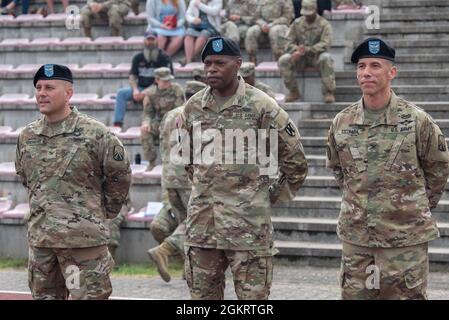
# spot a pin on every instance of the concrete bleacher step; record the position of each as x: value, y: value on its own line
x: 322, y: 207
x: 412, y: 17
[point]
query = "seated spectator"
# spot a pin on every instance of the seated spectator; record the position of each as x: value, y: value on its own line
x: 113, y: 10
x: 323, y: 7
x: 166, y: 18
x: 204, y: 21
x: 7, y: 6
x: 51, y: 5
x: 141, y: 75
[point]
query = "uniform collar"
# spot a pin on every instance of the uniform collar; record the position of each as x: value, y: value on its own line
x: 389, y: 117
x: 68, y: 125
x: 208, y: 100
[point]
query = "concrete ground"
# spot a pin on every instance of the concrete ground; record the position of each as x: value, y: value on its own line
x: 289, y: 283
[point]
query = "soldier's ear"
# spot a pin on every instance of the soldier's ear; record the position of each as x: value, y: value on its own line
x: 393, y: 72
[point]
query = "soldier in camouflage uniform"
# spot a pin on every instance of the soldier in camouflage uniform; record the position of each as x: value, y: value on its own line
x: 113, y: 10
x: 77, y: 175
x: 170, y: 224
x: 391, y: 161
x: 239, y: 18
x: 248, y: 72
x: 309, y: 40
x: 160, y: 98
x: 228, y: 221
x: 272, y: 20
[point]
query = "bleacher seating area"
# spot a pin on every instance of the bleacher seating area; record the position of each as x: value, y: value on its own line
x: 305, y: 227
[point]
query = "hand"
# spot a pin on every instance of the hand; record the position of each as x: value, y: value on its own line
x: 265, y: 28
x: 197, y: 3
x: 138, y: 96
x: 145, y: 128
x: 234, y: 17
x: 196, y: 21
x: 164, y: 26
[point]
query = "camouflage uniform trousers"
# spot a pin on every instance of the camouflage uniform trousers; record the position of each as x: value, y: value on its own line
x: 324, y: 62
x: 148, y: 141
x: 51, y: 273
x: 403, y: 272
x: 115, y: 16
x: 169, y: 225
x: 236, y: 32
x: 276, y: 37
x: 205, y: 273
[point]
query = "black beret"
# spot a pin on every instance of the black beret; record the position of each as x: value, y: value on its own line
x: 373, y: 48
x: 53, y: 72
x: 220, y: 46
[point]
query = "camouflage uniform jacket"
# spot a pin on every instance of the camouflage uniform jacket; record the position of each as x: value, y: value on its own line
x: 392, y: 174
x: 76, y: 178
x: 158, y: 102
x: 243, y: 8
x: 173, y: 175
x: 274, y: 12
x: 108, y: 3
x: 230, y: 203
x: 316, y: 37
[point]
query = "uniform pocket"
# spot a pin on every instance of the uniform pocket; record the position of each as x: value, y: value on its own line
x: 414, y: 276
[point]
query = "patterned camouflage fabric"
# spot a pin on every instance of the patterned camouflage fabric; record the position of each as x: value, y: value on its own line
x: 401, y: 273
x: 230, y: 204
x: 277, y: 14
x: 392, y: 173
x: 52, y: 273
x: 76, y: 178
x: 252, y: 274
x: 156, y: 104
x: 317, y: 39
x: 115, y: 12
x: 237, y: 30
